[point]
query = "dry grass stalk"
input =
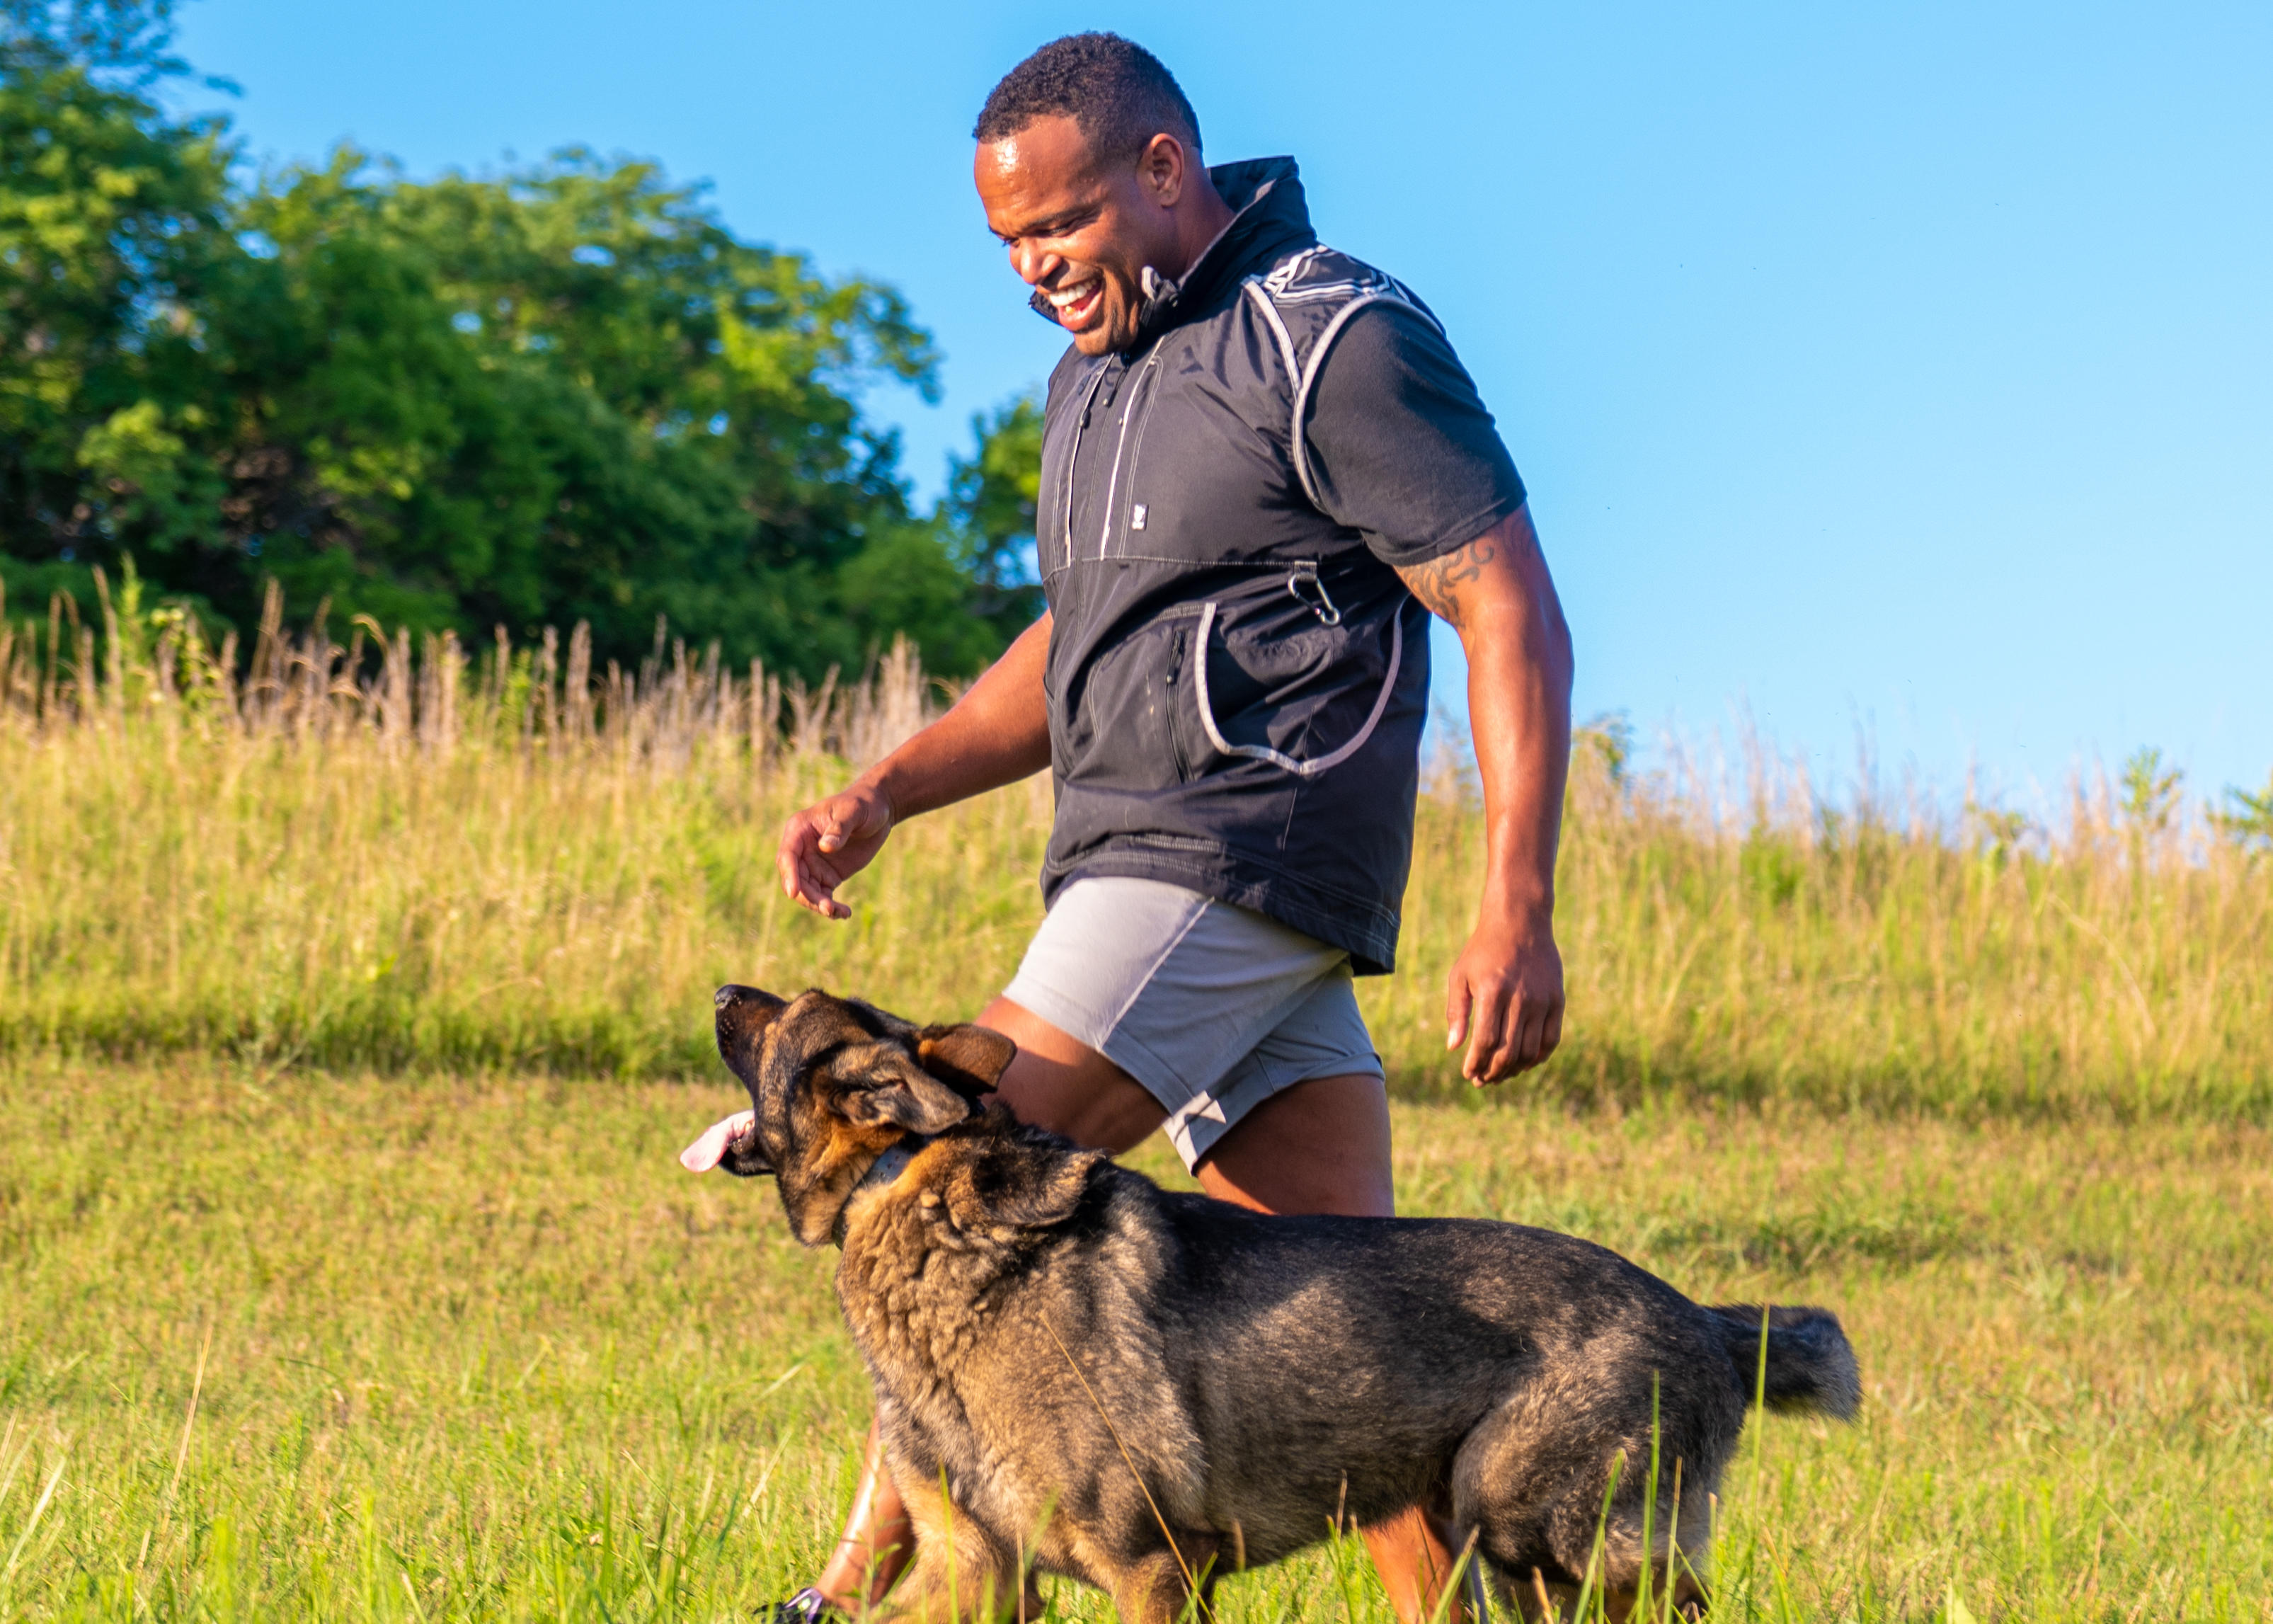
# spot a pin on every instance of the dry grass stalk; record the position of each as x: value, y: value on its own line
x: 371, y: 854
x: 161, y: 668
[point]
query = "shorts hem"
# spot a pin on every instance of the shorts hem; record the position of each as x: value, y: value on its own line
x: 1195, y: 1132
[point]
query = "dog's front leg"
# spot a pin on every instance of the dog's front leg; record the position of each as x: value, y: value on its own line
x: 1170, y: 1587
x: 962, y: 1572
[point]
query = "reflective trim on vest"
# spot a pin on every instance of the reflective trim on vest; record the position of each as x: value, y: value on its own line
x: 1263, y: 752
x: 1301, y: 440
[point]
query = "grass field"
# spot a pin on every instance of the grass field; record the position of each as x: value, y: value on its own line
x: 349, y: 1023
x: 480, y: 1349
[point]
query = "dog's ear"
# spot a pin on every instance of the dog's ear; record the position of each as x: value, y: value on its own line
x: 1012, y: 1180
x: 899, y: 1093
x: 744, y: 1014
x: 969, y: 1059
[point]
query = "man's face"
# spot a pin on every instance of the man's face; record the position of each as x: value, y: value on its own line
x: 1080, y: 232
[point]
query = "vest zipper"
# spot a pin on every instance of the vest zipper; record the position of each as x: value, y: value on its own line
x: 1073, y: 456
x: 1136, y: 516
x: 1138, y: 402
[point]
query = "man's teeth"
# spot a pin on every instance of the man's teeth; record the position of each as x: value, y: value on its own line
x: 1066, y: 299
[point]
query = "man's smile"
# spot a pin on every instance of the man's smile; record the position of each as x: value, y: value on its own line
x: 1076, y: 302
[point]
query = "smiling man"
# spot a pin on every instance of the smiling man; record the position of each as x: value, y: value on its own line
x: 1263, y: 469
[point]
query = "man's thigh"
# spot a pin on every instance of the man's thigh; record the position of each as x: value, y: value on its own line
x: 1058, y: 1082
x: 1316, y: 1146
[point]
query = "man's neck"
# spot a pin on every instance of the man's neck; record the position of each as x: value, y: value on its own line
x: 1198, y: 225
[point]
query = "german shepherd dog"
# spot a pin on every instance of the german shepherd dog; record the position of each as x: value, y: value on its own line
x: 1079, y: 1373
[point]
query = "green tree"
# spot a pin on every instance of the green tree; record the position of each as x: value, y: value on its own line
x: 2150, y: 793
x: 131, y: 39
x: 990, y: 508
x: 2248, y: 819
x: 569, y: 392
x: 112, y: 230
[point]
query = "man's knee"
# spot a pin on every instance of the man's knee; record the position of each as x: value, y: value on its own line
x: 1321, y: 1146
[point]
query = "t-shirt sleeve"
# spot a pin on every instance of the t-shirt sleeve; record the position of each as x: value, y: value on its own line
x: 1401, y: 448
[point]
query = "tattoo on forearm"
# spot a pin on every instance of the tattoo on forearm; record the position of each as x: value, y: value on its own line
x: 1437, y: 582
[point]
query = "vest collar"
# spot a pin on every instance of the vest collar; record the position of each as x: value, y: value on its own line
x: 1270, y: 219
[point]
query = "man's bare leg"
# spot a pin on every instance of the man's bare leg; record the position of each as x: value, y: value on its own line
x: 878, y: 1540
x: 1321, y: 1147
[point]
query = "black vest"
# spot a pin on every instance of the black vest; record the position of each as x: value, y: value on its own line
x: 1236, y: 683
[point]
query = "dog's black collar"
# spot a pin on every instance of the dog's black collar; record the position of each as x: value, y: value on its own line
x: 880, y: 1172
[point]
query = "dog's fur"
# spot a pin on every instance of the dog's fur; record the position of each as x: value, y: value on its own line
x: 1080, y: 1372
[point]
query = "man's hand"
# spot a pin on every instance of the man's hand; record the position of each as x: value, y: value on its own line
x: 997, y: 733
x: 707, y: 1152
x: 1504, y: 1000
x: 829, y: 842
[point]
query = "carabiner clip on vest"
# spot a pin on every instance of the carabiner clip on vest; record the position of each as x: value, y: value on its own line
x: 1315, y: 599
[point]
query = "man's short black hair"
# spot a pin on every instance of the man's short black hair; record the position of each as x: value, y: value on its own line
x: 1113, y: 89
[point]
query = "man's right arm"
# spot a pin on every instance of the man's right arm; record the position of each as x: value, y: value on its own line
x: 998, y: 732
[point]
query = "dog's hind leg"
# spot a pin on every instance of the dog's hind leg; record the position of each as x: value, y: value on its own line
x: 1504, y: 1496
x: 1540, y: 1600
x: 1532, y: 1479
x: 1676, y: 1557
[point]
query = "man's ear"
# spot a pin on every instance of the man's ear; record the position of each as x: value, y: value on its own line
x: 969, y: 1059
x: 1162, y: 169
x: 899, y: 1093
x: 744, y: 1014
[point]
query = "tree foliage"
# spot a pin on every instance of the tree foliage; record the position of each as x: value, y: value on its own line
x: 129, y: 40
x: 566, y: 392
x: 992, y: 497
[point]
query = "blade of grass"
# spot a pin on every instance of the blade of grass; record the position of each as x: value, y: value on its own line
x: 48, y: 1493
x: 1191, y: 1580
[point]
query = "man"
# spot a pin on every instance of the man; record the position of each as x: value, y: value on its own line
x: 1263, y: 469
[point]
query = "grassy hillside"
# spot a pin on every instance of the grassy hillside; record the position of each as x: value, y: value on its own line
x: 520, y: 863
x: 348, y: 1022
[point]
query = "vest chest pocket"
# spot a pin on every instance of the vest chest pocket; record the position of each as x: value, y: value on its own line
x: 1297, y: 685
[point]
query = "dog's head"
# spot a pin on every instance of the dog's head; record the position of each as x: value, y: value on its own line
x: 835, y: 1083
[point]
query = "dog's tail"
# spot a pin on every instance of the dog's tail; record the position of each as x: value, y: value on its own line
x: 1810, y: 1364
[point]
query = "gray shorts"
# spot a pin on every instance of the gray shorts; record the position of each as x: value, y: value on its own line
x: 1213, y: 1008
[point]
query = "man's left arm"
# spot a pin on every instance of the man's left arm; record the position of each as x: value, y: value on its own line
x: 1504, y: 1000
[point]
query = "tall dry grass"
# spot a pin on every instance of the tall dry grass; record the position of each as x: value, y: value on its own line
x: 360, y: 854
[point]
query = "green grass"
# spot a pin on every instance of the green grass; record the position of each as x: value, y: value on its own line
x: 479, y: 1349
x: 349, y: 1023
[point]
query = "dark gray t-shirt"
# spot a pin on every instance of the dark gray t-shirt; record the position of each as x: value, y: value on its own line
x: 1401, y: 445
x: 1401, y: 448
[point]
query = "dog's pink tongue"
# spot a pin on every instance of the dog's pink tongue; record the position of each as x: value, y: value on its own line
x: 705, y: 1153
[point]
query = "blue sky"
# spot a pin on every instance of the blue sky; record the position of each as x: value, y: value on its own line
x: 1901, y: 369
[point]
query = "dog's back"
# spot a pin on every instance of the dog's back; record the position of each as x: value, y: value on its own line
x: 1391, y: 1356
